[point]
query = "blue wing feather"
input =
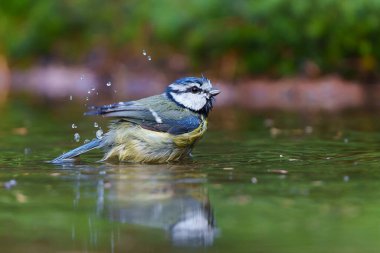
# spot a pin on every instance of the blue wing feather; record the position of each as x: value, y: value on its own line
x: 185, y: 125
x: 174, y: 126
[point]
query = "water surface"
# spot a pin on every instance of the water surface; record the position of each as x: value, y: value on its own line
x: 259, y: 182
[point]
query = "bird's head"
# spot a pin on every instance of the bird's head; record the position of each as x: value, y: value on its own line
x: 193, y: 93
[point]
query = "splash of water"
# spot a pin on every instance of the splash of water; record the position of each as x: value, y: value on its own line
x: 99, y: 133
x: 76, y: 137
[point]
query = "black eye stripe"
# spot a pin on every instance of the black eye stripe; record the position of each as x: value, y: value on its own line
x: 194, y: 89
x: 190, y: 89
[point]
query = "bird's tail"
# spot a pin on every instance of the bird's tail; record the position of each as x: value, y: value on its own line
x: 95, y: 143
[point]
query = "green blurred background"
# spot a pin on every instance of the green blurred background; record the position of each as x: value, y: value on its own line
x: 229, y: 38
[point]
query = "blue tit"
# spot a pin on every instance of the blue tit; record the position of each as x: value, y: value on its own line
x: 156, y: 129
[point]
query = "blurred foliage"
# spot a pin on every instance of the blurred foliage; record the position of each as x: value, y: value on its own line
x: 275, y: 37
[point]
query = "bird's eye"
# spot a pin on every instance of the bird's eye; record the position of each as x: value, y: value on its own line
x: 195, y: 89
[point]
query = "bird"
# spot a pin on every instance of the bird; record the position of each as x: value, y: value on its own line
x: 158, y: 129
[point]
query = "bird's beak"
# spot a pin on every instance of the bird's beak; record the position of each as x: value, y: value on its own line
x: 214, y: 92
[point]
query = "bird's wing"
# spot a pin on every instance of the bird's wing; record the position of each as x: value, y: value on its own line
x: 120, y: 110
x: 151, y: 113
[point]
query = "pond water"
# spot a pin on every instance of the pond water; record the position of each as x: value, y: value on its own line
x: 259, y: 182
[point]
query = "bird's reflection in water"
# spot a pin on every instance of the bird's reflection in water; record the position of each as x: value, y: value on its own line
x: 169, y: 197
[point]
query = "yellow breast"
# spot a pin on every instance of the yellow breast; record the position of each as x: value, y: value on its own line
x: 133, y: 143
x: 189, y: 139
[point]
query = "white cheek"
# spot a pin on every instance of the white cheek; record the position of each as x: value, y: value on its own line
x: 192, y: 101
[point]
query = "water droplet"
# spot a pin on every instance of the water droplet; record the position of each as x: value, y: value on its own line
x: 71, y: 98
x: 254, y: 180
x: 149, y: 58
x: 144, y: 52
x: 86, y: 98
x: 109, y: 84
x: 9, y: 184
x: 93, y: 89
x: 76, y: 137
x: 99, y: 134
x: 96, y: 124
x: 27, y: 151
x: 86, y: 141
x: 74, y: 126
x: 89, y: 92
